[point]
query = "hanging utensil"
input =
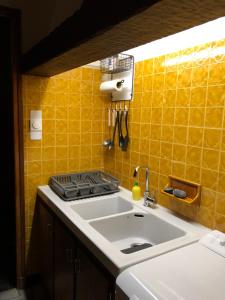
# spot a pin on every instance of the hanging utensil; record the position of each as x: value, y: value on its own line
x: 126, y: 138
x: 109, y: 117
x: 114, y: 130
x: 120, y: 129
x: 110, y: 142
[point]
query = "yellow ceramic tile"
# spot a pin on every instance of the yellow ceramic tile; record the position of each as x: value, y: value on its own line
x: 165, y: 166
x: 168, y: 116
x: 210, y: 159
x: 184, y: 78
x: 220, y: 222
x: 48, y: 167
x: 179, y: 152
x: 146, y: 99
x: 209, y: 179
x: 183, y: 98
x: 222, y: 162
x: 48, y: 140
x: 158, y: 81
x: 216, y: 96
x: 167, y: 133
x: 214, y: 117
x: 145, y: 131
x: 205, y: 216
x: 166, y: 150
x: 61, y: 139
x: 220, y: 204
x: 208, y: 198
x: 34, y: 154
x: 33, y: 167
x: 148, y: 66
x: 171, y: 80
x: 181, y: 116
x: 159, y: 64
x: 178, y: 169
x: 212, y: 138
x: 217, y: 73
x: 155, y: 147
x: 61, y: 113
x: 193, y: 173
x: 221, y: 182
x: 147, y: 84
x: 198, y: 97
x: 156, y: 115
x: 180, y: 134
x: 193, y: 155
x: 61, y: 165
x: 155, y: 132
x: 87, y: 74
x: 197, y: 116
x: 48, y: 153
x: 200, y: 76
x: 170, y: 98
x: 195, y: 136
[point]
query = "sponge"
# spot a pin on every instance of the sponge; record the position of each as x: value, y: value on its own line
x: 179, y: 193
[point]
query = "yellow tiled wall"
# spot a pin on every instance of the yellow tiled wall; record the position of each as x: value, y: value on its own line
x: 177, y: 127
x: 73, y: 114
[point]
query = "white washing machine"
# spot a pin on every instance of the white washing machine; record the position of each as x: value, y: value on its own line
x: 194, y: 272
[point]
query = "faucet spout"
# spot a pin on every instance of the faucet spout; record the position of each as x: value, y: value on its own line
x: 149, y: 200
x: 146, y: 178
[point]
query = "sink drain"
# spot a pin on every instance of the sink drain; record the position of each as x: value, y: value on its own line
x: 133, y: 245
x: 136, y: 247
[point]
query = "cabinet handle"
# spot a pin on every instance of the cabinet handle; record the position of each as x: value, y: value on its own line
x: 69, y: 256
x: 49, y: 228
x: 77, y: 265
x: 110, y: 296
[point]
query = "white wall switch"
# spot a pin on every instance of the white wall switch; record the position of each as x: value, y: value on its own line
x: 35, y: 124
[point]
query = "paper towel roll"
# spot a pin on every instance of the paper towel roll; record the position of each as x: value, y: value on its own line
x: 115, y: 85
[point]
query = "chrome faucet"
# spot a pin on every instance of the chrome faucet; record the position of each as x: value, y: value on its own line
x: 149, y: 199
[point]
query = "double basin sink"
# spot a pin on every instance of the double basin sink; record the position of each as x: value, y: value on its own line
x: 128, y: 227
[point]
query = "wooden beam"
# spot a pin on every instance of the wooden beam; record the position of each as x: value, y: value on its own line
x: 101, y: 30
x: 92, y: 19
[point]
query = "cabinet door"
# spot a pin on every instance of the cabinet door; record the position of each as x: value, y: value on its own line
x: 120, y: 295
x: 92, y: 282
x: 64, y: 246
x: 45, y: 225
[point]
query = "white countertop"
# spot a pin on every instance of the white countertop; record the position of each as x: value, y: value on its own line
x: 106, y: 252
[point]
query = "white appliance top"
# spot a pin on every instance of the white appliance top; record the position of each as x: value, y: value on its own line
x: 194, y: 272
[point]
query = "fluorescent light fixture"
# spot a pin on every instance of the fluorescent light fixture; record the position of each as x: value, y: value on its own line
x: 205, y: 33
x: 195, y: 56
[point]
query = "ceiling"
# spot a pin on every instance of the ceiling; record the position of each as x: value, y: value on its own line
x: 40, y: 17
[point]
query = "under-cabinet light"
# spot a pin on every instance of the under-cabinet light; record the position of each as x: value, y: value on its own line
x: 205, y: 33
x: 196, y: 56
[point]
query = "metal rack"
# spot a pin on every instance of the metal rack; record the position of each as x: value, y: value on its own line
x: 117, y: 63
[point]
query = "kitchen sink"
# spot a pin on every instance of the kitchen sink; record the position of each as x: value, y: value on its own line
x: 101, y: 207
x: 136, y: 231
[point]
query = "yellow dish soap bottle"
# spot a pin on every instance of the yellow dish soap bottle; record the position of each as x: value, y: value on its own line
x: 136, y: 191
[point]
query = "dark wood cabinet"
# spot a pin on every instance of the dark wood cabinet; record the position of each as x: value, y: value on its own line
x: 120, y: 295
x: 45, y: 238
x: 91, y: 282
x: 68, y: 270
x: 64, y: 258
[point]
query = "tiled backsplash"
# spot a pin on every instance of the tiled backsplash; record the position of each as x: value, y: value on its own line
x: 177, y: 127
x: 73, y: 112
